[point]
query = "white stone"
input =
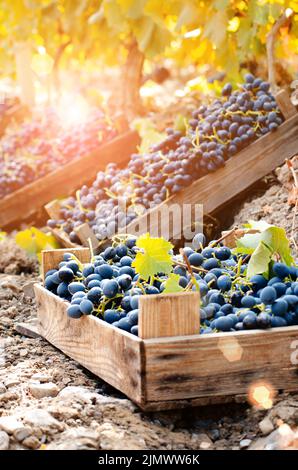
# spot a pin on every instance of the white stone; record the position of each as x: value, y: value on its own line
x: 245, y: 443
x: 11, y: 382
x: 43, y: 390
x: 266, y: 426
x: 41, y: 418
x: 40, y: 377
x: 4, y: 441
x: 10, y: 424
x: 22, y: 433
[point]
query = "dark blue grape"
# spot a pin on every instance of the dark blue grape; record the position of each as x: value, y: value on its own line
x: 73, y: 311
x: 110, y: 288
x: 268, y: 295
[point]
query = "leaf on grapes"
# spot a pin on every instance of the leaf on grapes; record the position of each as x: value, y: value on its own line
x: 257, y: 225
x: 259, y: 261
x: 172, y: 284
x: 33, y: 241
x: 154, y: 257
x: 148, y: 133
x: 2, y: 236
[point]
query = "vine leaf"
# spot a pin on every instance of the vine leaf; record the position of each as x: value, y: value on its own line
x: 33, y: 241
x: 263, y: 246
x: 260, y: 260
x: 154, y: 257
x: 172, y: 284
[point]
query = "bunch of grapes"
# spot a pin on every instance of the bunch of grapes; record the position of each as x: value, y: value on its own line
x: 110, y: 288
x: 42, y: 145
x: 213, y: 135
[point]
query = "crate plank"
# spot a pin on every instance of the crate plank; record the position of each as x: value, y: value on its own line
x: 103, y: 349
x: 219, y: 364
x: 169, y: 315
x: 24, y: 202
x: 241, y: 171
x: 285, y: 104
x: 51, y: 258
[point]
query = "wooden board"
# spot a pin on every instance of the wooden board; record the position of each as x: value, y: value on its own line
x: 24, y: 202
x: 170, y: 372
x: 103, y: 349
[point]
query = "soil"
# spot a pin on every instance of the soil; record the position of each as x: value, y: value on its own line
x: 48, y: 401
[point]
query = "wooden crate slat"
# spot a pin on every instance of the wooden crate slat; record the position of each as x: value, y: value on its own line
x: 189, y: 367
x: 51, y: 258
x: 106, y: 351
x: 169, y: 315
x: 24, y: 202
x: 241, y: 171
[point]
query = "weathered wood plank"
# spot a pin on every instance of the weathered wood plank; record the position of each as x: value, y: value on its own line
x: 241, y: 171
x: 51, y: 258
x: 220, y: 364
x: 112, y: 354
x: 169, y: 315
x: 24, y: 202
x: 285, y: 104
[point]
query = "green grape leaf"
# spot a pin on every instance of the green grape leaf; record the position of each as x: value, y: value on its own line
x: 154, y: 257
x: 33, y: 241
x: 259, y: 261
x: 172, y: 284
x: 148, y: 133
x: 273, y: 238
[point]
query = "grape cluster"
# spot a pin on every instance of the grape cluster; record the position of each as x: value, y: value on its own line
x: 110, y: 288
x: 213, y: 135
x: 43, y: 145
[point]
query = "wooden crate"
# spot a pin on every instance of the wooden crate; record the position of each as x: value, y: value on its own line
x: 184, y: 369
x: 26, y: 201
x: 216, y: 189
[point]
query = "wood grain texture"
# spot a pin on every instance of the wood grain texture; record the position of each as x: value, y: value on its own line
x: 240, y: 172
x: 169, y: 315
x: 85, y: 232
x: 110, y: 353
x: 51, y: 258
x: 60, y: 183
x: 221, y: 364
x: 285, y: 105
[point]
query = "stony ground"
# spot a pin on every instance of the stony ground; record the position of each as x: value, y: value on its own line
x: 48, y: 401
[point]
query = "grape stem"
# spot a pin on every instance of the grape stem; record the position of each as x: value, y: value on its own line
x: 189, y: 268
x: 227, y: 234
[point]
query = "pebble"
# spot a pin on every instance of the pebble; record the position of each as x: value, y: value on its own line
x: 31, y: 442
x: 4, y: 440
x: 11, y: 382
x: 2, y: 388
x: 22, y: 433
x: 39, y: 390
x: 266, y: 426
x: 39, y: 377
x: 245, y: 443
x: 23, y: 352
x: 10, y: 424
x: 41, y: 418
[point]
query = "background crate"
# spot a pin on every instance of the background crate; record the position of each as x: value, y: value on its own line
x: 26, y: 201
